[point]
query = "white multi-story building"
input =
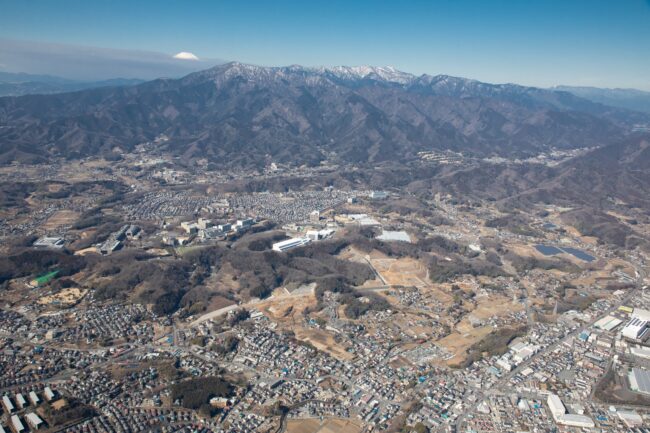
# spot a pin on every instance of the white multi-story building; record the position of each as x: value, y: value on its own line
x: 8, y: 405
x: 49, y: 394
x: 34, y: 421
x: 33, y: 397
x: 17, y: 424
x: 556, y: 406
x: 290, y: 243
x: 558, y: 411
x: 378, y: 195
x: 20, y: 401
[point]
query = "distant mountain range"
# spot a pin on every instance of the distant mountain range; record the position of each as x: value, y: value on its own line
x: 244, y: 115
x: 20, y: 84
x: 630, y: 99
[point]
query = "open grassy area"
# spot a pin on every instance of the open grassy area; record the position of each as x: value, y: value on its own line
x: 46, y: 278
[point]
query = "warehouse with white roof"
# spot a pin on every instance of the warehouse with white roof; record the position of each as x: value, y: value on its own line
x: 636, y: 329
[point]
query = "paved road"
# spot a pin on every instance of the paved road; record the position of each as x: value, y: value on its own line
x: 213, y: 314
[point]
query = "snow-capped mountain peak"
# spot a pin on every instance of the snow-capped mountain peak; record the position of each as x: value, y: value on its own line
x: 381, y: 73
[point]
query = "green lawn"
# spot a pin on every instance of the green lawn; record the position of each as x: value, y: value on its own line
x: 44, y: 279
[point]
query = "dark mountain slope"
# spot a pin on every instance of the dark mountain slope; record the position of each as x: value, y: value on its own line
x: 243, y: 115
x: 619, y: 172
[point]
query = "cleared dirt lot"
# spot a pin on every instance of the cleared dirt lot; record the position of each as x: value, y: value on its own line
x: 60, y: 219
x: 459, y: 343
x: 401, y: 272
x: 67, y: 296
x: 323, y: 340
x: 286, y: 309
x: 331, y: 425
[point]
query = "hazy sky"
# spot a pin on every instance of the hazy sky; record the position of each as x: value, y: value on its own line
x: 535, y: 42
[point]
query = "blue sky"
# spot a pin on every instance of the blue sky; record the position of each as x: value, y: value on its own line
x: 543, y: 43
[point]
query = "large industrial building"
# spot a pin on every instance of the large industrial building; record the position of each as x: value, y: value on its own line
x: 636, y: 329
x: 640, y: 313
x: 608, y: 323
x: 639, y: 380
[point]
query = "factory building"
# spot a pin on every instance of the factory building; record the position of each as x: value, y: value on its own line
x: 575, y: 420
x: 639, y: 380
x: 640, y: 313
x: 608, y: 323
x: 630, y: 418
x: 636, y: 329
